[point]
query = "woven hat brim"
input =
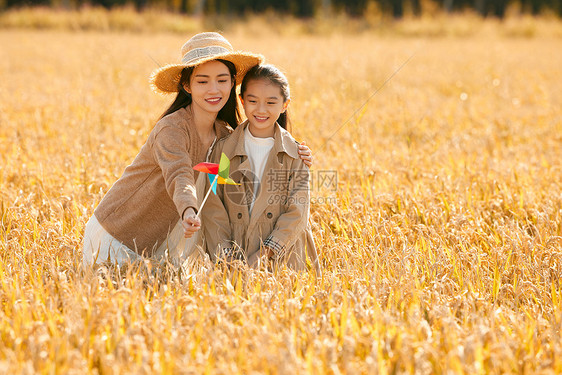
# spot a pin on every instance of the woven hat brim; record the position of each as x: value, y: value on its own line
x: 165, y: 79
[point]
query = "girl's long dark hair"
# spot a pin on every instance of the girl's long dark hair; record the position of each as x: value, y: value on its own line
x: 230, y: 113
x: 277, y: 77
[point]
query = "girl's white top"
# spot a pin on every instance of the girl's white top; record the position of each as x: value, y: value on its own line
x: 258, y: 150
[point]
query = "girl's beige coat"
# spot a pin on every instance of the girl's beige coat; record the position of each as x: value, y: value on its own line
x: 280, y: 215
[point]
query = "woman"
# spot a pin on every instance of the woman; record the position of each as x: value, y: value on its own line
x: 155, y: 199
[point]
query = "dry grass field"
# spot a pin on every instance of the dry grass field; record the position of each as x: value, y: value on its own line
x: 441, y: 242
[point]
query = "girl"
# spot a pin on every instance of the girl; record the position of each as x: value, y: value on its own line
x: 266, y: 216
x: 153, y: 204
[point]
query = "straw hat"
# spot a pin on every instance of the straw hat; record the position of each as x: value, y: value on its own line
x: 201, y: 48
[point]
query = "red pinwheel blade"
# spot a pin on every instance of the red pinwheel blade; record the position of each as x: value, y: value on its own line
x: 210, y: 168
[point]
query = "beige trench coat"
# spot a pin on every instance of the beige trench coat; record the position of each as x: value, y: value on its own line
x: 280, y: 215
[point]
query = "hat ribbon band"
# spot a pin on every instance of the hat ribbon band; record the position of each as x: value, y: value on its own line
x: 199, y: 53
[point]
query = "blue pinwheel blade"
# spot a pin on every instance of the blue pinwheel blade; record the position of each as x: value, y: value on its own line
x: 212, y: 180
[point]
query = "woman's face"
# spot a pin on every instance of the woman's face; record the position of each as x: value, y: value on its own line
x: 210, y: 86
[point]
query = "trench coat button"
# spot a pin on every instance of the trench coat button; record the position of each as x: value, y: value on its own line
x: 269, y: 215
x: 240, y: 215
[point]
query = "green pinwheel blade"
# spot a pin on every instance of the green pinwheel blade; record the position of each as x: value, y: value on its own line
x: 224, y: 166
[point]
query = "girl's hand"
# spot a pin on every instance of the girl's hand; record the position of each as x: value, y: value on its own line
x: 305, y: 154
x: 268, y: 260
x: 269, y: 252
x: 191, y: 223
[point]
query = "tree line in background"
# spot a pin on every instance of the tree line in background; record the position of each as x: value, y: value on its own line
x: 302, y: 8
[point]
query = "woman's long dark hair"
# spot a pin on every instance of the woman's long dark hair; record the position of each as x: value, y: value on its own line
x: 277, y: 77
x: 230, y: 113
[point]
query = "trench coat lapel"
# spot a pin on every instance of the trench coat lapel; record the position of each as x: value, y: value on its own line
x: 273, y: 166
x: 263, y: 195
x: 246, y: 182
x: 240, y: 171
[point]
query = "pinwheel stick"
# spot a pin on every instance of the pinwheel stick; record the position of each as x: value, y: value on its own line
x: 200, y: 208
x: 207, y: 195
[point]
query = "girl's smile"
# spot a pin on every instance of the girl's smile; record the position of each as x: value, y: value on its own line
x: 261, y: 119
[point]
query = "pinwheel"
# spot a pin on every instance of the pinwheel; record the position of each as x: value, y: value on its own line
x: 218, y: 174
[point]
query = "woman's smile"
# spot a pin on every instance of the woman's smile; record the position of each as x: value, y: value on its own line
x: 214, y: 100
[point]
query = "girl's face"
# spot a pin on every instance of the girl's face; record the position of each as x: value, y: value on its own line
x: 210, y: 86
x: 263, y: 103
